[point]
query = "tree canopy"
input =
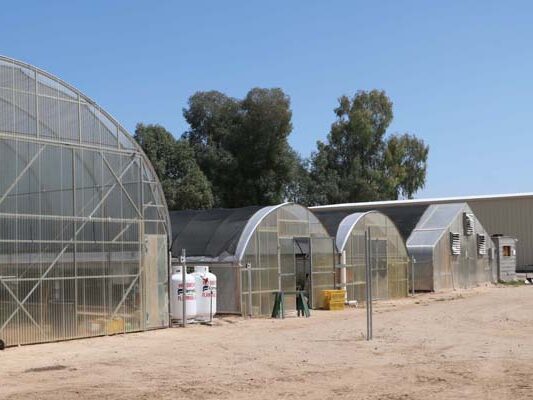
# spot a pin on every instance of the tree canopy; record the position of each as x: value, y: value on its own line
x: 236, y: 153
x: 242, y: 145
x: 358, y: 162
x: 184, y: 184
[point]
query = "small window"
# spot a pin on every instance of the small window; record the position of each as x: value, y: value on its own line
x: 455, y: 242
x: 468, y: 220
x: 506, y: 251
x: 481, y: 245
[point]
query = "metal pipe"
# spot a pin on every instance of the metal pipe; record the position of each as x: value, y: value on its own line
x: 412, y: 275
x: 343, y: 275
x: 368, y: 286
x: 183, y: 285
x: 249, y: 268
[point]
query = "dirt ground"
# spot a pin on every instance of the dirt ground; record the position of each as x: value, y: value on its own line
x: 475, y: 344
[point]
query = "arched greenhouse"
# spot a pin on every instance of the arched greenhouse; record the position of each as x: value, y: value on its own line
x: 285, y: 245
x: 83, y: 221
x: 389, y: 260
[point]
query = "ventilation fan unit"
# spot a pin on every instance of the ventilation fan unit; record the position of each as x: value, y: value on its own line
x: 481, y: 245
x: 455, y: 242
x: 468, y: 223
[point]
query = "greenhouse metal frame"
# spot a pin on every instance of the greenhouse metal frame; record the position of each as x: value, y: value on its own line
x: 84, y: 226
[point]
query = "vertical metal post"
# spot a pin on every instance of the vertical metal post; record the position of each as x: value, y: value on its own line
x: 183, y: 261
x: 368, y: 286
x: 211, y: 304
x: 249, y: 270
x: 412, y: 275
x: 170, y: 272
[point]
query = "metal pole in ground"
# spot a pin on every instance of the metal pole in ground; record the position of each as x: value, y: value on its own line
x: 211, y: 304
x: 412, y: 276
x: 368, y: 290
x: 370, y: 284
x: 183, y: 260
x: 249, y: 268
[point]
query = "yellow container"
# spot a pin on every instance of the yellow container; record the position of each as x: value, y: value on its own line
x: 336, y: 306
x: 334, y: 295
x: 334, y: 299
x: 114, y: 326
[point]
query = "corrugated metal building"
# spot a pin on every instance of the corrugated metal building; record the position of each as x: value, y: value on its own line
x: 506, y: 214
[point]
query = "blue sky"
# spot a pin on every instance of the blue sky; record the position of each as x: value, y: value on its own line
x: 459, y: 72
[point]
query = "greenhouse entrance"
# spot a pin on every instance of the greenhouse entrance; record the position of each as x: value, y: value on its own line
x: 303, y: 267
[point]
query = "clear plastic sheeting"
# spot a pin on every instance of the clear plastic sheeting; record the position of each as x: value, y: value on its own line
x: 83, y: 223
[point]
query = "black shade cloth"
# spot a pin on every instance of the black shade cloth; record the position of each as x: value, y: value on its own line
x: 404, y: 217
x: 209, y: 233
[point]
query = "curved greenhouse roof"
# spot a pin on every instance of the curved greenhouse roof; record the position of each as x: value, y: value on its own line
x: 434, y: 223
x: 222, y: 234
x: 340, y: 223
x: 212, y: 233
x: 405, y: 217
x: 43, y: 109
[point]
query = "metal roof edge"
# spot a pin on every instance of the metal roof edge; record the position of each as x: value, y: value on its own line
x: 425, y: 201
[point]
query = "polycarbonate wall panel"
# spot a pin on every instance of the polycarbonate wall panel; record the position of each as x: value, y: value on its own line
x: 323, y: 268
x: 271, y: 252
x: 388, y: 259
x: 75, y: 208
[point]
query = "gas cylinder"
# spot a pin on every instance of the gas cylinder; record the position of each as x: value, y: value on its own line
x: 206, y: 293
x: 176, y: 295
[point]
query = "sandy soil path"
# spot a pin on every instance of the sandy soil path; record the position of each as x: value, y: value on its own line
x: 475, y: 344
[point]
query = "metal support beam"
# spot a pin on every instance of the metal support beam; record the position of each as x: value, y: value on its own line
x: 20, y: 305
x: 21, y: 174
x: 121, y: 186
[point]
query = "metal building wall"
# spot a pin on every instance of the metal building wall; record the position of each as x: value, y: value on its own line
x: 510, y: 217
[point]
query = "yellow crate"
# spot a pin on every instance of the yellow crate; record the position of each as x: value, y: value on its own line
x: 334, y: 295
x: 112, y: 326
x: 335, y: 306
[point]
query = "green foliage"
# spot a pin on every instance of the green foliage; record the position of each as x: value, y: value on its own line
x: 358, y: 163
x: 184, y: 184
x: 241, y: 145
x: 236, y: 153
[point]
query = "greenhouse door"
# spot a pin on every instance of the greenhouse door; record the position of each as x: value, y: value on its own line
x: 156, y: 282
x: 303, y: 266
x: 287, y: 269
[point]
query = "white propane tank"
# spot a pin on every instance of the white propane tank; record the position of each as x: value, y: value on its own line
x: 206, y: 293
x: 176, y: 295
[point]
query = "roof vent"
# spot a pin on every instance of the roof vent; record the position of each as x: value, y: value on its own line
x: 481, y: 245
x: 455, y: 242
x: 468, y: 220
